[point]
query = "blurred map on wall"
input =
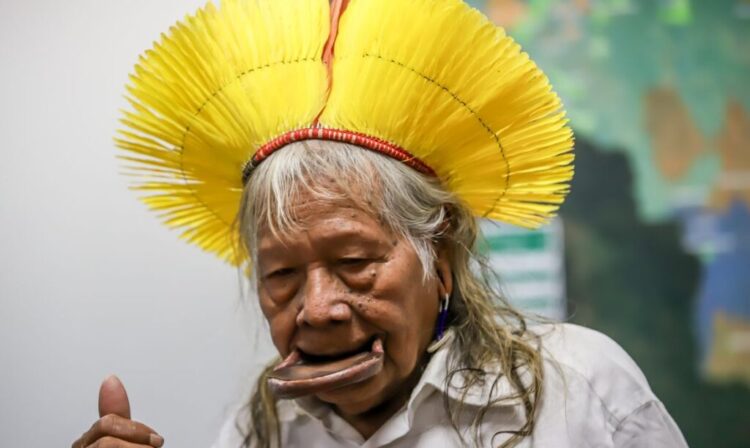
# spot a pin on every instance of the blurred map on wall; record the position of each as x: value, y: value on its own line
x: 668, y: 83
x: 658, y: 92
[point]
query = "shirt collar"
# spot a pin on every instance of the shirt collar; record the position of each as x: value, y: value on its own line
x: 437, y: 373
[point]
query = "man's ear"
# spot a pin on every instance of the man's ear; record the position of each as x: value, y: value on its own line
x: 443, y: 270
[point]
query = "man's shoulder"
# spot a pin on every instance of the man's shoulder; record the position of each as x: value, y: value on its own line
x: 587, y: 351
x: 592, y: 361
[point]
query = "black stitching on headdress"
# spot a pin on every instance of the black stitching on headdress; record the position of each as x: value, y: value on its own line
x: 247, y: 169
x: 468, y: 108
x: 203, y: 106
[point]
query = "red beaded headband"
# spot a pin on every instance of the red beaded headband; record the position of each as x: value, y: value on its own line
x: 317, y: 133
x: 355, y: 138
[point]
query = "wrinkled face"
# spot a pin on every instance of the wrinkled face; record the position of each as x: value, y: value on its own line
x: 337, y: 285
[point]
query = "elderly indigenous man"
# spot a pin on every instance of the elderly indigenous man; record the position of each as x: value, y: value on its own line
x: 340, y: 153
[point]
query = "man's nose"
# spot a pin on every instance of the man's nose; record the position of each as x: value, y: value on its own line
x: 324, y: 301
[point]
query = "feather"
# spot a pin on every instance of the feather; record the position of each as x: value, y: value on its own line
x: 217, y: 86
x: 437, y: 78
x: 433, y: 77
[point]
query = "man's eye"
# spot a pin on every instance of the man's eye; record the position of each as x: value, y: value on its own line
x: 352, y: 261
x: 280, y: 273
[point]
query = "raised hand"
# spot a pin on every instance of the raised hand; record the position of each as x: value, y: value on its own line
x: 115, y: 429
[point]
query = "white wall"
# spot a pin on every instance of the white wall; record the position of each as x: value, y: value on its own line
x: 90, y: 282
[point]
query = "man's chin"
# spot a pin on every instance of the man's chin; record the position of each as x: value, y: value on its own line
x: 354, y: 399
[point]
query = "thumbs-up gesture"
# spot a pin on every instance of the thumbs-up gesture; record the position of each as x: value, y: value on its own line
x: 115, y: 429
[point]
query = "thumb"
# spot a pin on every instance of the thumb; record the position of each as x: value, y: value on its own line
x: 113, y: 399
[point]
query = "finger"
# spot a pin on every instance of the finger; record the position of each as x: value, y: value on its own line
x: 113, y: 399
x: 111, y: 442
x: 121, y: 428
x: 80, y: 442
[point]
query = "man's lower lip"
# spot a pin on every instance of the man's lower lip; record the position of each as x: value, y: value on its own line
x: 292, y: 378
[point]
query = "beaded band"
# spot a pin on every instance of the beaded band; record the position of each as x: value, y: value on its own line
x: 355, y: 138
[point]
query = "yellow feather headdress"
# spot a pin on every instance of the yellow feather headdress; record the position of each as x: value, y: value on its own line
x: 430, y: 82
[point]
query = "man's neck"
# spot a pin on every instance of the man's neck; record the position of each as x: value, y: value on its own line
x: 367, y: 423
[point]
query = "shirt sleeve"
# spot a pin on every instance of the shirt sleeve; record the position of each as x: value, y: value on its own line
x: 649, y: 426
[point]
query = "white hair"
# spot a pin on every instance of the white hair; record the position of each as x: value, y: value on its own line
x: 410, y: 204
x: 418, y: 209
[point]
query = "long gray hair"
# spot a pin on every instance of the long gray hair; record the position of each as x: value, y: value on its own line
x: 488, y: 331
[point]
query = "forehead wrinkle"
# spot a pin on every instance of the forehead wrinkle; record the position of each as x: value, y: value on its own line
x: 291, y: 213
x: 335, y: 222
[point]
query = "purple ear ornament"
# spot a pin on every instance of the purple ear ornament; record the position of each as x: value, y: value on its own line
x: 442, y: 317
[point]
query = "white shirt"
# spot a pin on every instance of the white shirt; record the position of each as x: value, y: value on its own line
x: 594, y: 395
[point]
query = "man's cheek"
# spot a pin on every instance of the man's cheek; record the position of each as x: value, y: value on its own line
x: 281, y: 333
